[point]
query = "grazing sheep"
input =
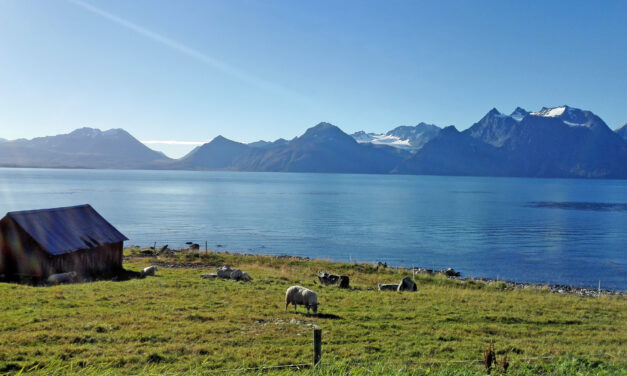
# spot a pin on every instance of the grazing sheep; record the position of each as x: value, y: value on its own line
x: 62, y: 277
x: 388, y: 287
x: 407, y: 284
x: 150, y: 270
x: 298, y: 295
x: 332, y: 279
x: 225, y: 272
x: 344, y: 282
x: 235, y: 274
x: 327, y: 278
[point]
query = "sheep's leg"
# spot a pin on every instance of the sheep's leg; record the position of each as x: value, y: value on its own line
x: 287, y: 304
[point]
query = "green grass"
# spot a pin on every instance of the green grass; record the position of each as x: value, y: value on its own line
x: 177, y: 322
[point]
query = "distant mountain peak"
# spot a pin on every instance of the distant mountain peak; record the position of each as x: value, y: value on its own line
x: 324, y: 125
x: 95, y: 132
x: 268, y: 144
x: 573, y: 117
x: 84, y: 148
x: 221, y: 140
x: 519, y: 113
x: 494, y: 112
x: 451, y: 129
x: 324, y: 130
x: 86, y: 132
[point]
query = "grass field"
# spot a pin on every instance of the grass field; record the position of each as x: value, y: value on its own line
x: 178, y: 322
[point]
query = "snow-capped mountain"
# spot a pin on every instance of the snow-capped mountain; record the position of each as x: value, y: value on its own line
x: 403, y: 137
x: 571, y: 116
x: 381, y: 139
x: 553, y: 142
x: 322, y: 148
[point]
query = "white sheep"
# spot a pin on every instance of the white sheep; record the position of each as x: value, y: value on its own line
x: 149, y: 270
x: 62, y: 277
x: 298, y: 295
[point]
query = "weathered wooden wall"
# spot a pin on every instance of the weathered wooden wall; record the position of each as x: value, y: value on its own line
x: 102, y: 259
x: 21, y: 256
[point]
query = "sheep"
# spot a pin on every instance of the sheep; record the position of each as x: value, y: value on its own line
x: 225, y: 272
x: 235, y: 274
x: 328, y: 278
x: 332, y: 279
x: 149, y: 270
x: 62, y: 277
x: 407, y: 284
x: 298, y: 295
x: 388, y: 287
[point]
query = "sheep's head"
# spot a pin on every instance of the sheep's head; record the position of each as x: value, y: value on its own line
x: 314, y: 308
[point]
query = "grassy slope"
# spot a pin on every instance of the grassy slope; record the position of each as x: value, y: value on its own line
x: 180, y: 322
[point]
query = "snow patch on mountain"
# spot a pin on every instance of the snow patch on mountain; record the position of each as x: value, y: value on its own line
x: 550, y: 112
x: 381, y: 139
x: 405, y: 137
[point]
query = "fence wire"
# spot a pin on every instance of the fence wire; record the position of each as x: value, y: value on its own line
x: 386, y: 363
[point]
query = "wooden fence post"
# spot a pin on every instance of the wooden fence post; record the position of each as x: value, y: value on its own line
x: 317, y: 345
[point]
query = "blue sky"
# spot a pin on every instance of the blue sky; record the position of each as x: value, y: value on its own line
x: 249, y: 70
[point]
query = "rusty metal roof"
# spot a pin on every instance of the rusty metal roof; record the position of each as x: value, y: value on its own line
x: 67, y: 229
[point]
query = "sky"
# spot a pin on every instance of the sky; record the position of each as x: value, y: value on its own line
x: 182, y: 72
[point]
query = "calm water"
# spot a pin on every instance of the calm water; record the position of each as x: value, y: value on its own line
x: 534, y: 230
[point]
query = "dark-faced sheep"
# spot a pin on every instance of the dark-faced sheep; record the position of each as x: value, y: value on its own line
x: 298, y: 295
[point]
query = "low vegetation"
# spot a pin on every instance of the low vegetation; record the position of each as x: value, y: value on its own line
x: 178, y: 322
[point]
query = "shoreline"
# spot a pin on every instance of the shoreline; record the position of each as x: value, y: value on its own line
x: 449, y: 273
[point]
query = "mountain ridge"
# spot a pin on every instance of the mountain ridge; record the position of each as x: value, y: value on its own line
x: 554, y: 142
x: 82, y: 148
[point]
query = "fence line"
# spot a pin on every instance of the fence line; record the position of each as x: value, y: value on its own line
x: 365, y: 363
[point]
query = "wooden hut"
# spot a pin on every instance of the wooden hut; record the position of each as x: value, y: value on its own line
x: 37, y: 243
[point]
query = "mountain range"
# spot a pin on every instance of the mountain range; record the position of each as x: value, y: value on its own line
x: 553, y: 142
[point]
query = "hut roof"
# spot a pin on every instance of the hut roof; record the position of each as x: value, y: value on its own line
x: 67, y: 229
